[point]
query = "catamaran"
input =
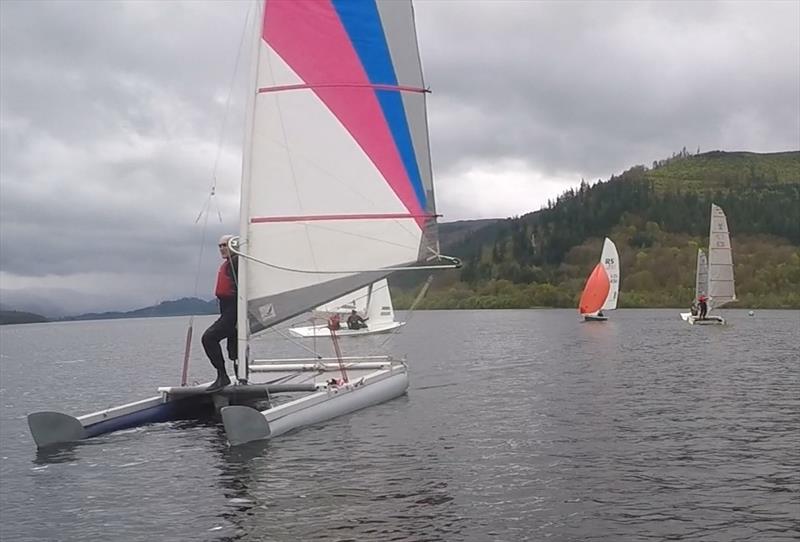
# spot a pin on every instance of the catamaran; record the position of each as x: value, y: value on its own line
x: 601, y: 290
x: 375, y: 301
x: 714, y: 277
x: 336, y: 168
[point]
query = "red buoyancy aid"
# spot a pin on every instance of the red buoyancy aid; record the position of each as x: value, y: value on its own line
x: 226, y: 287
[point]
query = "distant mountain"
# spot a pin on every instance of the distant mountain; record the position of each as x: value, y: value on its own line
x: 60, y: 302
x: 186, y: 306
x: 18, y: 317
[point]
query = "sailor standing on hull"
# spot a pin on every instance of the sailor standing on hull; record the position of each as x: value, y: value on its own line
x: 225, y: 326
x: 702, y: 306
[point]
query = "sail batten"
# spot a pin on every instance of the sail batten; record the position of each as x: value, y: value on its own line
x: 374, y: 86
x: 312, y: 218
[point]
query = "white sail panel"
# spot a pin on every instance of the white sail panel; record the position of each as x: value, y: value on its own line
x: 720, y: 260
x: 379, y: 305
x: 354, y: 300
x: 610, y: 260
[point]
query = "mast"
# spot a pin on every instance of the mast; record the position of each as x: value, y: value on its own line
x: 242, y: 322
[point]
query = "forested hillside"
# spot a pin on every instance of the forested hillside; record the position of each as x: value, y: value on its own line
x: 658, y: 217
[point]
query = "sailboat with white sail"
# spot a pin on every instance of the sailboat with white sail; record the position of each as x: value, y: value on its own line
x: 337, y: 193
x: 374, y: 301
x: 601, y: 291
x: 700, y: 283
x: 714, y: 282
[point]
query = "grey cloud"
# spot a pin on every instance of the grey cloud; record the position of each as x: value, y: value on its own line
x: 111, y: 112
x: 597, y: 87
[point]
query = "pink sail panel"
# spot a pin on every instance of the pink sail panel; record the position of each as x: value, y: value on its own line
x: 311, y: 38
x: 595, y: 291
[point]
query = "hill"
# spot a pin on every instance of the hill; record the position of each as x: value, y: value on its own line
x: 19, y: 317
x: 658, y: 217
x: 182, y: 307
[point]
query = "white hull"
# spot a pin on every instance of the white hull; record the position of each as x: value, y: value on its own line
x: 245, y: 424
x: 590, y: 318
x: 711, y: 320
x: 308, y: 332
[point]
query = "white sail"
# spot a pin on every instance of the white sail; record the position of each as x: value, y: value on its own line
x: 379, y: 305
x: 337, y: 189
x: 720, y: 261
x: 610, y: 260
x: 373, y: 302
x: 701, y: 279
x: 343, y: 305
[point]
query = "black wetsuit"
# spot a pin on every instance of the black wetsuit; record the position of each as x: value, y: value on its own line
x: 354, y: 321
x: 225, y: 326
x: 703, y: 309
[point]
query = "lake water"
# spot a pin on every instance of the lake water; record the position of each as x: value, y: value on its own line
x: 518, y: 425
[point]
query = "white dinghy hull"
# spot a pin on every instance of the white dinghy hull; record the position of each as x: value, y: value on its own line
x: 590, y: 318
x: 308, y: 332
x: 245, y: 424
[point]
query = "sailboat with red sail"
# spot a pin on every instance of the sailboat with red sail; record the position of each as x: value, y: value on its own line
x: 602, y: 287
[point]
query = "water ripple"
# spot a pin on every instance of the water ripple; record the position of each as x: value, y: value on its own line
x: 519, y: 425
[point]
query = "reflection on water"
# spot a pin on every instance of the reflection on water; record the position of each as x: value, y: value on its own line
x: 518, y: 425
x: 62, y: 453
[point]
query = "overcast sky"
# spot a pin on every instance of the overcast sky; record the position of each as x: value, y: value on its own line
x: 112, y: 113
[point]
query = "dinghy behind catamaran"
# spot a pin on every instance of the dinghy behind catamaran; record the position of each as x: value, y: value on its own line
x: 375, y: 301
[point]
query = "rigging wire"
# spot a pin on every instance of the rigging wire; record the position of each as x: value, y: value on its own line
x: 411, y: 310
x: 205, y: 211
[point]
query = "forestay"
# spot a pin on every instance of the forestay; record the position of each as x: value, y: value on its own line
x: 337, y: 185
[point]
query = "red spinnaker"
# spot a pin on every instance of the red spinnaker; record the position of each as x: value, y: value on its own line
x: 595, y: 292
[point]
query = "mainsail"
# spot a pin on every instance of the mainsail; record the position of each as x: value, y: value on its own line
x: 610, y: 260
x: 720, y: 261
x: 337, y: 186
x: 701, y: 280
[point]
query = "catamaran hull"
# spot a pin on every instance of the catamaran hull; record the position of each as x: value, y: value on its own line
x: 707, y: 321
x: 50, y: 428
x: 308, y: 332
x: 194, y: 402
x: 244, y: 424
